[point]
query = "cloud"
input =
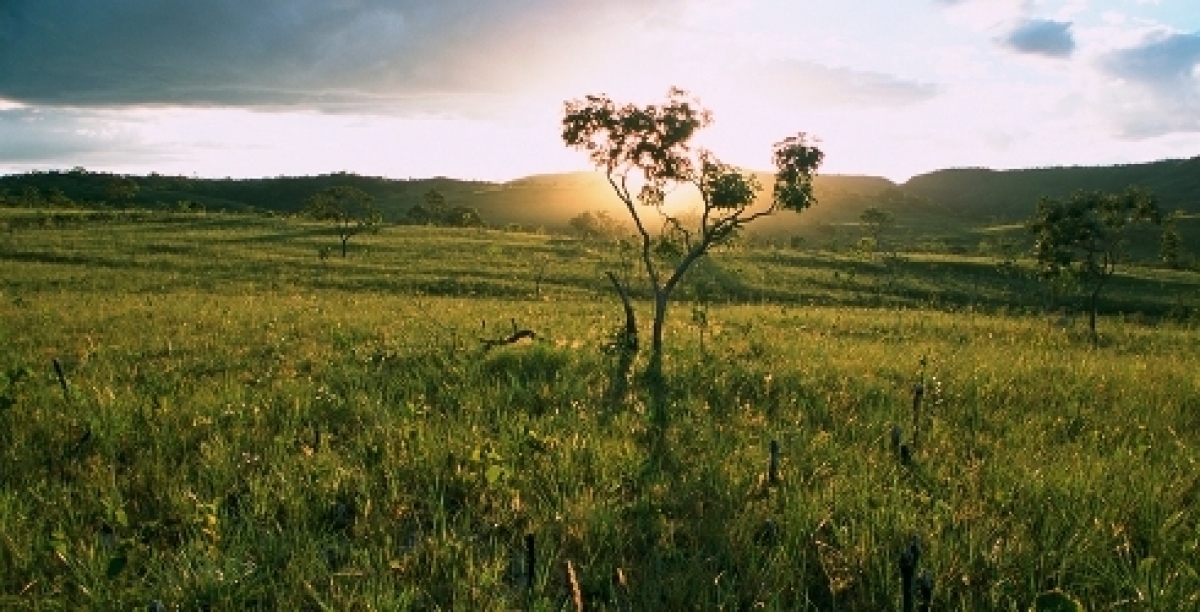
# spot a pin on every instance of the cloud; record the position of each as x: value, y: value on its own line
x: 803, y: 82
x: 1041, y: 37
x: 1161, y: 60
x: 985, y: 15
x: 328, y: 54
x: 1161, y: 79
x: 37, y: 135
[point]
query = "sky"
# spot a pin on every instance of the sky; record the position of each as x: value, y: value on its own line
x: 475, y: 89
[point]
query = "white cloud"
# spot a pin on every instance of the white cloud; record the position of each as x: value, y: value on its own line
x: 986, y: 15
x: 62, y: 138
x: 474, y: 88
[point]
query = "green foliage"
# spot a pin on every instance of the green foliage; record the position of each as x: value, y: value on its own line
x: 351, y: 209
x: 796, y: 161
x: 877, y: 222
x: 651, y: 142
x: 1009, y: 195
x: 1085, y: 237
x: 1056, y: 601
x: 942, y: 211
x: 1171, y: 250
x: 597, y: 225
x: 435, y: 211
x: 435, y: 201
x: 723, y: 187
x: 121, y: 190
x: 651, y: 145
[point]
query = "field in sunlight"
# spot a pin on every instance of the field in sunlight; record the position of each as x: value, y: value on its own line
x: 242, y: 423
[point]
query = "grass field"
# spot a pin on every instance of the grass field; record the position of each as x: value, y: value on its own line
x: 247, y: 425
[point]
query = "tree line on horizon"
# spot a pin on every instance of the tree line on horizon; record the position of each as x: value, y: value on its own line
x: 969, y: 195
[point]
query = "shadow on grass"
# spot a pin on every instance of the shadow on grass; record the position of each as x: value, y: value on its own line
x: 699, y: 537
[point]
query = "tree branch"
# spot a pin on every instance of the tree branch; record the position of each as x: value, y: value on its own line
x: 622, y: 190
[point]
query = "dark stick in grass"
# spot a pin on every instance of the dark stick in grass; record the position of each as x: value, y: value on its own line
x: 530, y: 561
x: 909, y: 557
x: 62, y: 379
x: 773, y: 468
x: 925, y: 590
x: 918, y: 393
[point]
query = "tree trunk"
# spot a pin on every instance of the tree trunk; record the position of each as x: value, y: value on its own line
x: 630, y: 341
x: 345, y: 239
x: 656, y: 380
x: 1092, y: 315
x: 661, y: 300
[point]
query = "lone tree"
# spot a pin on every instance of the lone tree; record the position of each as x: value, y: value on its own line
x: 644, y: 152
x: 877, y: 222
x: 1084, y: 237
x: 351, y: 209
x: 1170, y: 247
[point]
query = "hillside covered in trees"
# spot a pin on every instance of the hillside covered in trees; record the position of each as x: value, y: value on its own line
x: 943, y: 201
x: 1010, y: 195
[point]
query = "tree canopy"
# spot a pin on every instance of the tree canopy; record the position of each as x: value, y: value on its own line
x: 645, y: 152
x: 351, y: 209
x: 1085, y: 236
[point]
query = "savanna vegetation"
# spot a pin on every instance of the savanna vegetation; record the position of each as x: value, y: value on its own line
x: 947, y: 211
x: 198, y: 411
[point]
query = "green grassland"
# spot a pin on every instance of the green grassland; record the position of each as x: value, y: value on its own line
x: 246, y: 424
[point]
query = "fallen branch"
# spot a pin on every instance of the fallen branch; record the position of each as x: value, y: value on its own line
x: 517, y: 336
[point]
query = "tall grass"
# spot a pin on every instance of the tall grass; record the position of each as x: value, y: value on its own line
x: 265, y: 440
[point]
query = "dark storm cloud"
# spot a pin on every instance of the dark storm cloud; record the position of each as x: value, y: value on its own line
x: 1165, y: 70
x: 1042, y: 37
x: 311, y: 53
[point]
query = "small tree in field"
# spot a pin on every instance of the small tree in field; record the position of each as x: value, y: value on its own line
x: 644, y: 152
x: 1171, y: 243
x: 877, y: 222
x: 351, y: 209
x: 1084, y: 238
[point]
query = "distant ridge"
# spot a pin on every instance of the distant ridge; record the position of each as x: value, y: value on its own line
x: 1012, y: 194
x: 957, y: 196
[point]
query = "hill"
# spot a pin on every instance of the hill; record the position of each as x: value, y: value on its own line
x: 537, y: 201
x: 949, y: 204
x: 1010, y: 195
